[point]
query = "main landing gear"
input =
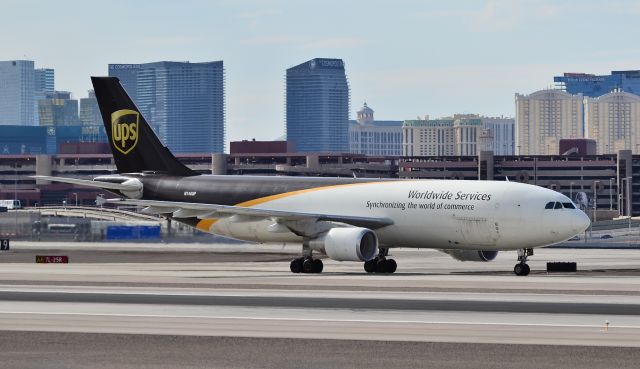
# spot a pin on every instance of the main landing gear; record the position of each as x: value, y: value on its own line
x: 522, y: 268
x: 306, y: 265
x: 380, y: 264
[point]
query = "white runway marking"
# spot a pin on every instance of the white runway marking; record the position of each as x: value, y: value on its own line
x: 163, y: 316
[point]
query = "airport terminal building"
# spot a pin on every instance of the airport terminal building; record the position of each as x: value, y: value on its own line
x: 609, y: 182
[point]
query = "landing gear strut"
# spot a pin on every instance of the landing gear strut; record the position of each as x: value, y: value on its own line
x: 306, y: 265
x: 522, y: 268
x: 380, y: 264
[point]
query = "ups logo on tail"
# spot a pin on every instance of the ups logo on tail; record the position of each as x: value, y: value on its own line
x: 124, y: 130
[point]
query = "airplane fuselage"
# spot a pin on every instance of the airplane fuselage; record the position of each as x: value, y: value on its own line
x: 442, y: 214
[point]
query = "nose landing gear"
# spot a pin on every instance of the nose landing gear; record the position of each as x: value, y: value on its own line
x: 522, y: 268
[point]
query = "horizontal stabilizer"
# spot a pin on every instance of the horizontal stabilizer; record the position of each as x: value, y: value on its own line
x: 127, y: 186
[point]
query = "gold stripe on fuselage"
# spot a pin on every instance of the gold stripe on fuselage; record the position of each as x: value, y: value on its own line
x: 205, y: 224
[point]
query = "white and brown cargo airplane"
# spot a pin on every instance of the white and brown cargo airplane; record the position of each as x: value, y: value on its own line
x: 347, y: 219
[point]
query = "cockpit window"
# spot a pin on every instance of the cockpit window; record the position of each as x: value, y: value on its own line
x: 558, y: 205
x: 568, y: 205
x: 549, y: 205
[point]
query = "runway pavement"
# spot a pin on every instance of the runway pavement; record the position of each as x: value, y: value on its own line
x: 240, y: 293
x: 99, y: 351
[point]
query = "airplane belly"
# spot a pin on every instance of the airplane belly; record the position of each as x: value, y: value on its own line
x: 252, y: 230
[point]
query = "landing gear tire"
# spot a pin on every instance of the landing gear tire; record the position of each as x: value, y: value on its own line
x: 370, y: 266
x: 391, y: 266
x: 296, y: 265
x: 381, y: 266
x: 317, y: 266
x: 521, y: 269
x: 307, y: 265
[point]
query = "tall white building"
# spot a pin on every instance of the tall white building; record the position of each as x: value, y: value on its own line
x: 462, y: 134
x: 17, y: 91
x: 613, y: 120
x: 374, y: 137
x: 544, y: 117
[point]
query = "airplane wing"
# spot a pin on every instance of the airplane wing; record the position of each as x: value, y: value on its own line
x: 199, y: 210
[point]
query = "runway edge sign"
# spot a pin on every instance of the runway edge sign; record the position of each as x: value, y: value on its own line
x: 52, y: 259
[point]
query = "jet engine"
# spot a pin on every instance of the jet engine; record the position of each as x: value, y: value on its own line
x: 471, y: 255
x: 347, y: 244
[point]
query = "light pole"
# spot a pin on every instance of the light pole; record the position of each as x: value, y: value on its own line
x: 15, y: 183
x: 629, y: 183
x: 76, y: 195
x: 571, y: 190
x: 595, y: 200
x: 15, y: 195
x: 628, y: 191
x: 611, y: 194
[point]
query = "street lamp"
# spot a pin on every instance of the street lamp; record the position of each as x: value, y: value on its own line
x: 15, y: 183
x: 571, y: 190
x: 611, y: 194
x: 76, y: 195
x: 628, y: 191
x: 595, y: 200
x: 15, y: 195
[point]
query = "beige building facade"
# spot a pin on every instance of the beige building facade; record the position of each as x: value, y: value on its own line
x: 544, y: 117
x: 613, y: 120
x: 459, y: 135
x: 371, y: 137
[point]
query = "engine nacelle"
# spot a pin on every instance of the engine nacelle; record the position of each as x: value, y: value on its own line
x: 472, y: 255
x: 347, y: 244
x: 136, y: 188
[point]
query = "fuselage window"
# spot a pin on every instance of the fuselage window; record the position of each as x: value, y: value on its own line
x: 549, y: 205
x: 568, y: 205
x: 558, y: 205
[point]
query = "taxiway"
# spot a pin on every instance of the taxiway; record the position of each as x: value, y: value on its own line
x: 245, y: 292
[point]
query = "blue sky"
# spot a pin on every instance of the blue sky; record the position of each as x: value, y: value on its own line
x: 405, y: 58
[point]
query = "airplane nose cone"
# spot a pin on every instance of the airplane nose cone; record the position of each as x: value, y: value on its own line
x: 581, y: 221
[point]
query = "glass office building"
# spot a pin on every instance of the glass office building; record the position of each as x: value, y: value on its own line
x: 317, y: 106
x: 184, y: 102
x: 44, y: 80
x: 128, y: 76
x: 591, y: 85
x: 17, y: 93
x: 58, y: 109
x: 89, y: 110
x: 44, y: 84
